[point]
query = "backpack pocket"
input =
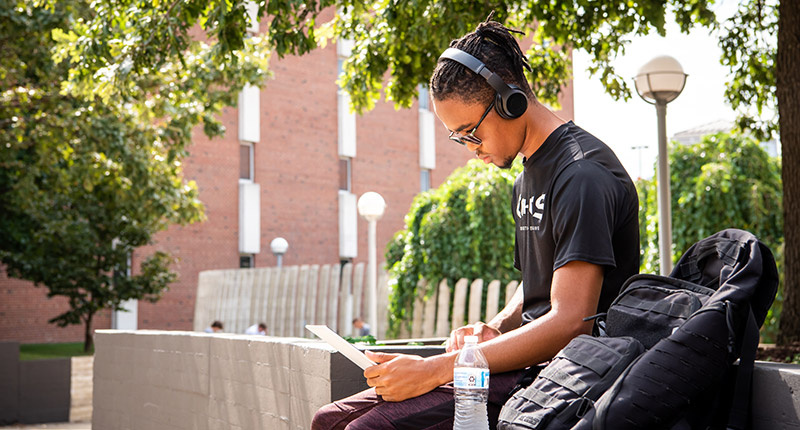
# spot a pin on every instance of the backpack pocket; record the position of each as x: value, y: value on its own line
x: 567, y: 387
x: 657, y: 390
x: 652, y: 307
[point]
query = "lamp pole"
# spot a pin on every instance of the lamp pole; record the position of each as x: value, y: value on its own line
x: 664, y: 193
x: 279, y: 246
x: 371, y: 206
x: 660, y: 81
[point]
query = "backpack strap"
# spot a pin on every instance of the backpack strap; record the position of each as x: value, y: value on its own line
x: 740, y: 407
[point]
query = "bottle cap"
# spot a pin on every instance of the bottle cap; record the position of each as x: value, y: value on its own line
x: 470, y: 339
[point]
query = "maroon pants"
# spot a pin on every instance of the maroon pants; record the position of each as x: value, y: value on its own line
x: 431, y: 411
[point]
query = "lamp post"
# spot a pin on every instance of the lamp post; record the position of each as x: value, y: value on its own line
x: 279, y: 246
x: 658, y: 82
x: 371, y: 206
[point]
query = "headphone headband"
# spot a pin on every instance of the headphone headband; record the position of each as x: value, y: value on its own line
x: 511, y: 101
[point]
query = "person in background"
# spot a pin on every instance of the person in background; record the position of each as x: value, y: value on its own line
x: 260, y: 329
x: 362, y: 328
x: 216, y: 327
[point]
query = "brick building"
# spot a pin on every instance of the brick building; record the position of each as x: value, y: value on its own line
x: 292, y: 164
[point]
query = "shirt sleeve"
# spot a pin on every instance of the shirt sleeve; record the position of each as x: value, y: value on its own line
x: 583, y: 211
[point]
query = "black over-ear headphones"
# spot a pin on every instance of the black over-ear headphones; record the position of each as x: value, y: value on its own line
x: 510, y: 102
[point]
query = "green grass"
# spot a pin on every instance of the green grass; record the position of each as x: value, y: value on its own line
x: 40, y: 351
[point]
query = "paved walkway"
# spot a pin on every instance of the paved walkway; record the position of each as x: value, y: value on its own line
x: 52, y: 426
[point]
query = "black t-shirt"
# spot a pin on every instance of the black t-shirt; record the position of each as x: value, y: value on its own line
x: 573, y: 201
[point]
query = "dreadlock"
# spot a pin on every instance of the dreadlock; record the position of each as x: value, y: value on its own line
x: 493, y: 44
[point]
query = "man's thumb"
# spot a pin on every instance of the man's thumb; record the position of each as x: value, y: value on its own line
x: 379, y: 357
x: 477, y: 330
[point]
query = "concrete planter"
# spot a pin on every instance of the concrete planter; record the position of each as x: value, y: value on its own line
x: 39, y: 390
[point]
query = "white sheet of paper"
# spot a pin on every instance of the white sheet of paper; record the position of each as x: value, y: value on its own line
x: 346, y: 348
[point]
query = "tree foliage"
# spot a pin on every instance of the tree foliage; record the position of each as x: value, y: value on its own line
x: 92, y: 169
x: 463, y: 229
x: 724, y: 181
x: 115, y: 46
x: 404, y: 39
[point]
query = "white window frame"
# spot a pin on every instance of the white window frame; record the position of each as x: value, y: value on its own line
x: 424, y: 173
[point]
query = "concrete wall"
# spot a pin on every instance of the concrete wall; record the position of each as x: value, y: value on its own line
x: 9, y: 375
x: 36, y: 391
x: 776, y: 396
x: 186, y: 380
x: 44, y: 391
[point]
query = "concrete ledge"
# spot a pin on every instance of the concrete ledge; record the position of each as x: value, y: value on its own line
x: 188, y: 380
x: 44, y: 391
x: 776, y: 396
x: 9, y: 388
x: 35, y: 391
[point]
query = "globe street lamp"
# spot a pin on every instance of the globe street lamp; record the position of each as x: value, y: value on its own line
x: 659, y: 82
x: 371, y: 206
x: 279, y: 246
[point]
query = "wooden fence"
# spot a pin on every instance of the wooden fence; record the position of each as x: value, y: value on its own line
x: 288, y: 298
x: 432, y: 316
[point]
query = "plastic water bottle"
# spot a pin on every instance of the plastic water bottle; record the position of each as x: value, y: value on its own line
x: 471, y: 381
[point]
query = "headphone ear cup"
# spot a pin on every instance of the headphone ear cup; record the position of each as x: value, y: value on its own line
x: 512, y: 104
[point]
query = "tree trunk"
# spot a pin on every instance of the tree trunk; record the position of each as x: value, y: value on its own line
x: 788, y: 93
x: 88, y: 339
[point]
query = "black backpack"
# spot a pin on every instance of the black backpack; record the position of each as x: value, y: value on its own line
x: 693, y: 324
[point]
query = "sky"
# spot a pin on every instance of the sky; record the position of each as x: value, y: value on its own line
x: 623, y: 125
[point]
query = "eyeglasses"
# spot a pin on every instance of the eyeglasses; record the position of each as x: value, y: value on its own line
x: 464, y: 139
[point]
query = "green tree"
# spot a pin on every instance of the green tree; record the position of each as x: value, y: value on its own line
x: 86, y: 178
x: 463, y: 229
x: 402, y: 40
x: 724, y: 181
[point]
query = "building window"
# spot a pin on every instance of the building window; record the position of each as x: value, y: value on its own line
x: 424, y: 180
x: 424, y: 98
x: 345, y: 174
x: 246, y: 162
x: 246, y: 261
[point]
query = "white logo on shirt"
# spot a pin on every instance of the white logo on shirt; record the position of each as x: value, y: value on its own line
x: 528, y: 205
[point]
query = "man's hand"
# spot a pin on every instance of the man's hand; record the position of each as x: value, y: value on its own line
x: 484, y: 332
x: 398, y: 377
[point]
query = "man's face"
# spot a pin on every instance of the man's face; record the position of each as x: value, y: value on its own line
x: 500, y: 142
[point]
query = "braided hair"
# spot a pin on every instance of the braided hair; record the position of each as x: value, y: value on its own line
x: 491, y: 43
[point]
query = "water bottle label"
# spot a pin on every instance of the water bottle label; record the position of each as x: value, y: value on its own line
x: 470, y: 377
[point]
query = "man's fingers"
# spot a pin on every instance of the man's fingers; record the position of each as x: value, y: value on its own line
x: 456, y: 340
